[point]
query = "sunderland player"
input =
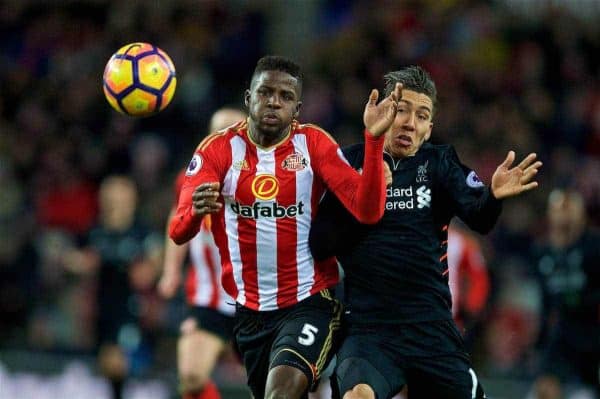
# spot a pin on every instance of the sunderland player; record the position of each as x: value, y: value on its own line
x: 399, y: 321
x: 261, y: 181
x: 468, y: 278
x: 207, y: 331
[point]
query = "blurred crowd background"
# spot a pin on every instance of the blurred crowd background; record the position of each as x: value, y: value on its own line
x: 522, y: 75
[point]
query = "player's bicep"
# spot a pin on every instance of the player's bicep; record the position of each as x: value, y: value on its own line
x: 462, y: 184
x: 471, y: 199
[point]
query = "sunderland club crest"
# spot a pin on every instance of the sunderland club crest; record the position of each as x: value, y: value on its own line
x: 294, y: 162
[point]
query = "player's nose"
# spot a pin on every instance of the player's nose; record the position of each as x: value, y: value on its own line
x: 274, y: 101
x: 409, y: 122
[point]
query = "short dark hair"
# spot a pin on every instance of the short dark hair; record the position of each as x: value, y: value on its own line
x: 278, y: 63
x: 412, y: 78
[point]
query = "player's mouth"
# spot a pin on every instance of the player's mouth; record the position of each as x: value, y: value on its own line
x: 270, y: 119
x: 403, y: 140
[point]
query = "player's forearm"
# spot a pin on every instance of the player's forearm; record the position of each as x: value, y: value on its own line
x: 174, y: 256
x: 370, y: 194
x: 185, y: 224
x: 485, y: 215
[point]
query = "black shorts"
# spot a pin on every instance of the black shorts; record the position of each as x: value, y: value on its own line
x: 213, y: 321
x: 303, y: 336
x: 428, y: 356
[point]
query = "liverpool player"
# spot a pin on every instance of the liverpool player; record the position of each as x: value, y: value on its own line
x: 400, y: 329
x: 207, y: 331
x: 567, y: 268
x: 262, y: 180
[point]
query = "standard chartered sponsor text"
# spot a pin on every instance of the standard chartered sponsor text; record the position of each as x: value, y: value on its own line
x: 404, y: 198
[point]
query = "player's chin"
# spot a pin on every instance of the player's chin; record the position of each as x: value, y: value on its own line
x: 401, y: 150
x: 272, y: 128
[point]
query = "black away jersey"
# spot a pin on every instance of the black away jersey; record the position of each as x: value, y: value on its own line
x: 396, y: 271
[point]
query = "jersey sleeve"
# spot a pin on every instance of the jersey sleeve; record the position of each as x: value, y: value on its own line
x: 363, y: 195
x: 177, y: 186
x: 472, y: 200
x: 206, y: 166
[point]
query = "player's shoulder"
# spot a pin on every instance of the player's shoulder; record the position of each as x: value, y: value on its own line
x: 443, y: 154
x: 222, y: 137
x: 313, y: 132
x: 437, y: 149
x: 435, y: 153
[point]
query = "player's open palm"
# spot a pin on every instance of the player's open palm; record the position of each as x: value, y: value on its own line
x: 508, y: 181
x: 379, y: 117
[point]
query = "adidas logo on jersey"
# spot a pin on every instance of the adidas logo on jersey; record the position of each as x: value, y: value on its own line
x: 267, y: 210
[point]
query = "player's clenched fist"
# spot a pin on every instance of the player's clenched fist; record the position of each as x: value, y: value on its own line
x: 204, y: 199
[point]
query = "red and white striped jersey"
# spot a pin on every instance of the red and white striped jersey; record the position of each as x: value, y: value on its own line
x: 270, y: 196
x: 203, y: 278
x: 468, y: 277
x: 203, y: 281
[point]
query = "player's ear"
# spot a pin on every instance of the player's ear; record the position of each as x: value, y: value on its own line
x: 247, y: 98
x: 297, y: 111
x: 428, y: 134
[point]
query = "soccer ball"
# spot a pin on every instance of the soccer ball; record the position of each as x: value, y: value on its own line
x: 139, y: 80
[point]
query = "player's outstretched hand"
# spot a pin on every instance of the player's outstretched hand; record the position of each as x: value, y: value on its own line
x: 379, y: 117
x: 204, y: 199
x: 507, y: 181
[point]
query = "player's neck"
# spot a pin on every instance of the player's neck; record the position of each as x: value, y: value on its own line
x: 398, y: 156
x: 116, y: 222
x: 263, y: 140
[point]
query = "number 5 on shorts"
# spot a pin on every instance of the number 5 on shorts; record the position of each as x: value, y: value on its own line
x: 308, y: 334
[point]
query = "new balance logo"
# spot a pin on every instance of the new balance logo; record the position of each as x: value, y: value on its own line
x: 423, y: 197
